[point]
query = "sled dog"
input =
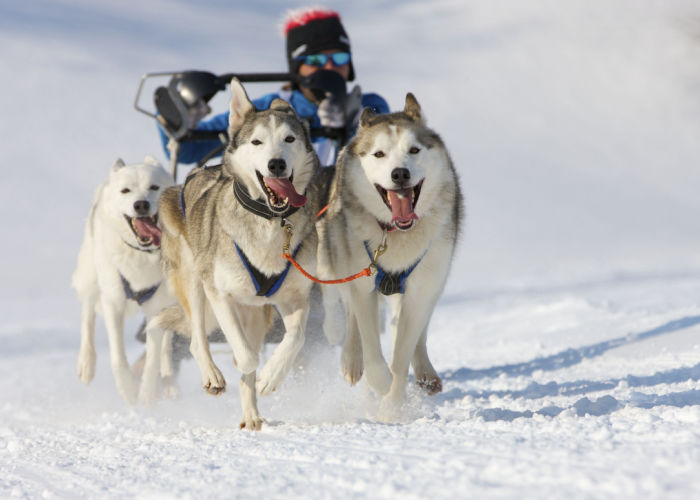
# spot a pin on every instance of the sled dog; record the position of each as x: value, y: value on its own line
x: 395, y: 185
x: 119, y: 267
x: 223, y: 238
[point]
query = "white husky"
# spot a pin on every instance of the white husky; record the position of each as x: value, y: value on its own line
x: 395, y: 184
x: 119, y: 263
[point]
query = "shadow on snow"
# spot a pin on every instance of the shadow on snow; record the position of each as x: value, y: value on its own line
x: 584, y: 406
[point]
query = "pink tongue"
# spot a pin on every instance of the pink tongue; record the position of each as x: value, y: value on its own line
x: 146, y: 228
x: 284, y: 189
x: 401, y: 205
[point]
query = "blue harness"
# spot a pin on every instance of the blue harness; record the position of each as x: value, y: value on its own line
x: 388, y: 283
x: 141, y: 296
x: 265, y: 286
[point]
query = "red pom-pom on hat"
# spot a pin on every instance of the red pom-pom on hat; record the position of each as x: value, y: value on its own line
x: 300, y: 17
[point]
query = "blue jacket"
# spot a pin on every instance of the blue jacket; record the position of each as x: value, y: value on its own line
x: 192, y: 152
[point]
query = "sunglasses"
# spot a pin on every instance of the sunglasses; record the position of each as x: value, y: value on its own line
x: 338, y: 58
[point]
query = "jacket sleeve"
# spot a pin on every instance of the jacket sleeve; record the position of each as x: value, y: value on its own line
x: 376, y: 102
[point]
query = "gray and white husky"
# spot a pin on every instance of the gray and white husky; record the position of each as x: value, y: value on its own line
x: 119, y: 263
x: 395, y: 185
x: 223, y: 238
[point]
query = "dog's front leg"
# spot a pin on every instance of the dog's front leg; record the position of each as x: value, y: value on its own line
x: 251, y: 420
x: 426, y: 376
x: 212, y: 380
x: 87, y: 356
x: 246, y: 357
x: 365, y: 308
x: 412, y: 322
x: 294, y: 317
x: 113, y: 310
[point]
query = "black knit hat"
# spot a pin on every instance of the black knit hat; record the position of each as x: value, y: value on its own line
x: 313, y: 31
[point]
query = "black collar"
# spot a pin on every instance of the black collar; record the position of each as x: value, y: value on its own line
x: 256, y: 206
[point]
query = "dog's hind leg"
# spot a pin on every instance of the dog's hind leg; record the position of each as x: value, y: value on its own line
x: 279, y: 364
x: 351, y: 358
x: 212, y: 380
x: 150, y: 378
x: 334, y: 317
x: 426, y: 376
x: 87, y: 356
x: 113, y: 311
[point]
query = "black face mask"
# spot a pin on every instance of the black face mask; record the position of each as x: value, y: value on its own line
x: 324, y: 81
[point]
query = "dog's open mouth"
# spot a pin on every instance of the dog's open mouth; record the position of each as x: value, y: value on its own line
x: 280, y: 193
x: 401, y: 203
x: 146, y: 229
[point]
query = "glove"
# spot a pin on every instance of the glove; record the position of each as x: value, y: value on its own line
x: 353, y: 106
x: 330, y: 113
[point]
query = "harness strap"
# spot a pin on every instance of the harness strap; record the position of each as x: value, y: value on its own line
x: 142, y: 296
x: 389, y: 283
x: 147, y: 250
x: 265, y: 286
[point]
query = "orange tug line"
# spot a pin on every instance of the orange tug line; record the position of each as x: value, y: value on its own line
x: 367, y: 271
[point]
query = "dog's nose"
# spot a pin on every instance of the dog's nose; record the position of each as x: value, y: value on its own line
x: 277, y: 167
x: 401, y: 176
x: 142, y: 207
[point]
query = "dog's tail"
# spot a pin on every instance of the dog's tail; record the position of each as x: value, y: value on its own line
x: 172, y: 222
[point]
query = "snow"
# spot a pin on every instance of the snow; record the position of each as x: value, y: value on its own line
x: 568, y: 338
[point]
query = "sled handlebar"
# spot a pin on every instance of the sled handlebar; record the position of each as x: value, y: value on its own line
x: 213, y: 82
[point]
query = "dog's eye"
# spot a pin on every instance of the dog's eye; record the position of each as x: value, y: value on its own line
x: 290, y: 139
x: 414, y: 150
x: 256, y: 142
x: 154, y: 188
x: 379, y: 154
x: 126, y: 190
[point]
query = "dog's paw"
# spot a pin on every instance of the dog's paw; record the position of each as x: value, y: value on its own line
x: 431, y: 385
x: 126, y: 384
x: 352, y: 367
x: 392, y: 410
x: 252, y: 422
x: 379, y: 378
x: 270, y: 378
x: 86, y: 365
x: 170, y: 388
x: 213, y: 382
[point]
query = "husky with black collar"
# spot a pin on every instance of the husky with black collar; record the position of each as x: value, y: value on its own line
x: 395, y: 185
x: 118, y: 268
x: 223, y: 237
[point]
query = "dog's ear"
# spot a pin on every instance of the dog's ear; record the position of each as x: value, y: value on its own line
x: 240, y: 106
x: 282, y: 105
x: 119, y: 163
x: 365, y: 116
x: 149, y: 160
x: 412, y: 108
